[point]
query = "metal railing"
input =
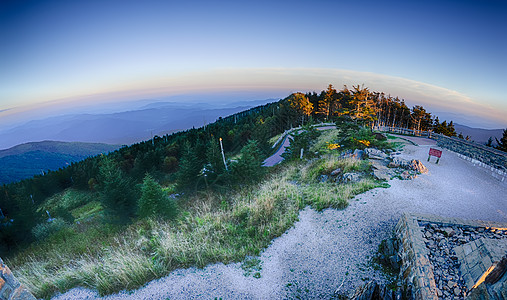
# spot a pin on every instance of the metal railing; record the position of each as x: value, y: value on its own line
x: 405, y: 131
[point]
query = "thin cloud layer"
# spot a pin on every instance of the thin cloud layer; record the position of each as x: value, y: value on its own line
x: 279, y: 82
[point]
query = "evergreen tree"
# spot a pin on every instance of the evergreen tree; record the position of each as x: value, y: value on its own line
x: 154, y: 201
x: 418, y: 117
x: 249, y: 165
x: 327, y: 102
x: 490, y: 142
x: 301, y: 104
x: 450, y: 129
x: 118, y: 193
x: 362, y: 105
x: 214, y: 170
x: 502, y: 143
x: 190, y: 167
x: 436, y: 124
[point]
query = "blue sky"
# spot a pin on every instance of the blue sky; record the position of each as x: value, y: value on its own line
x: 445, y: 55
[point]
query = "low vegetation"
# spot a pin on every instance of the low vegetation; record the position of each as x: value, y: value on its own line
x: 210, y: 227
x: 193, y: 198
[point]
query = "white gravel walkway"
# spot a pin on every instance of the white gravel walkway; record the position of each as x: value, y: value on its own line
x: 331, y: 249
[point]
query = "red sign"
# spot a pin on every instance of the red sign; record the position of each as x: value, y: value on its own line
x: 435, y: 152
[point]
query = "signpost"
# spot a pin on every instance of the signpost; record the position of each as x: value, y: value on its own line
x: 435, y: 152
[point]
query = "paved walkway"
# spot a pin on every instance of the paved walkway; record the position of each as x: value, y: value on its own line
x: 277, y: 157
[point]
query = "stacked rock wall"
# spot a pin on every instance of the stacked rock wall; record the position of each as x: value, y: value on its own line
x: 10, y: 288
x: 416, y: 271
x: 475, y: 152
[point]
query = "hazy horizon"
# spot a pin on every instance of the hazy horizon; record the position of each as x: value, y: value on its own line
x: 62, y: 56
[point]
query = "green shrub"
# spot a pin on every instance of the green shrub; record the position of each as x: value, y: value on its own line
x: 43, y: 230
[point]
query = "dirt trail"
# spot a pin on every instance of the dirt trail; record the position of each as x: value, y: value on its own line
x: 329, y: 252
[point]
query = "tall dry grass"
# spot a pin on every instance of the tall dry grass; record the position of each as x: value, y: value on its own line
x: 211, y: 228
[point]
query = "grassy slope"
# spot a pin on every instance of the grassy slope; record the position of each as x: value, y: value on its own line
x: 211, y: 228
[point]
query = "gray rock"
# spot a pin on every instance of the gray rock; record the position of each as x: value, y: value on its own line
x: 375, y: 153
x: 382, y: 174
x: 380, y: 136
x: 351, y: 177
x: 448, y: 231
x: 336, y: 172
x: 457, y: 291
x: 418, y: 166
x: 407, y: 175
x: 323, y: 178
x: 400, y: 163
x: 358, y: 154
x: 451, y: 284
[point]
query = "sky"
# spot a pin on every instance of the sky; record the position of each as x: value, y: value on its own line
x: 449, y: 56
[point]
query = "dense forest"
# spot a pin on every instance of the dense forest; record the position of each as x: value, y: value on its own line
x: 193, y: 160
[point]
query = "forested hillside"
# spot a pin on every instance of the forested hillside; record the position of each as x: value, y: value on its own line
x: 26, y: 160
x: 191, y: 160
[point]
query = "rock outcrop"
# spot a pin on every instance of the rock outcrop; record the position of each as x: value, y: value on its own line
x: 375, y: 153
x: 10, y: 288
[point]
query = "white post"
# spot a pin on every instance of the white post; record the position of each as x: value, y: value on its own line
x: 301, y: 155
x: 223, y: 155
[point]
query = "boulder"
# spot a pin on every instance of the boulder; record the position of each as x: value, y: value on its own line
x: 336, y: 172
x: 359, y: 154
x: 375, y: 153
x: 382, y: 174
x: 380, y: 136
x: 418, y: 166
x: 414, y: 164
x: 400, y: 163
x: 407, y: 175
x: 379, y: 164
x: 351, y: 177
x: 323, y: 178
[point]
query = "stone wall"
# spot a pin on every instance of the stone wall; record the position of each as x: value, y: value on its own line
x: 416, y: 271
x: 476, y: 153
x: 10, y: 288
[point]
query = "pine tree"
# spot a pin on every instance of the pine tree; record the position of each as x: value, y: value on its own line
x: 450, y: 129
x: 502, y: 143
x: 302, y: 105
x: 117, y: 192
x: 190, y: 167
x: 327, y: 102
x: 214, y: 170
x: 154, y: 201
x: 490, y: 142
x: 362, y: 104
x: 249, y: 165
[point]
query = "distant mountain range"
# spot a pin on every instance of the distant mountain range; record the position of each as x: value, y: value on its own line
x: 33, y: 147
x: 479, y: 135
x: 125, y: 127
x: 26, y: 160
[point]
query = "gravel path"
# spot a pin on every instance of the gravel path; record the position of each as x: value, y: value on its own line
x: 330, y: 250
